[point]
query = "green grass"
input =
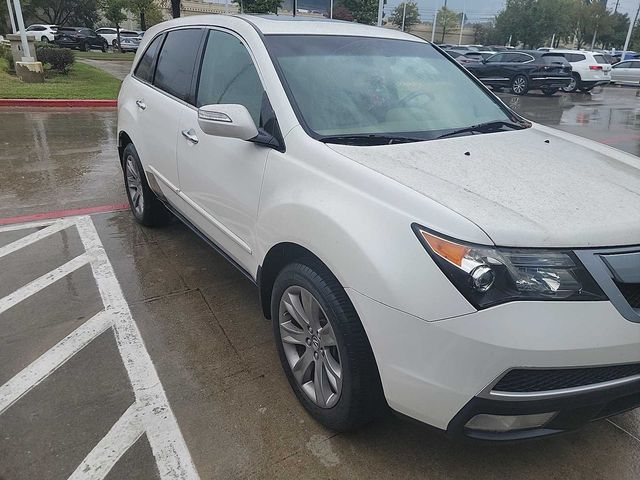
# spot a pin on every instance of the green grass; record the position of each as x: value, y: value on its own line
x: 96, y: 55
x: 82, y: 81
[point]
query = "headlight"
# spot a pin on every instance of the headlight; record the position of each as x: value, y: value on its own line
x: 488, y: 276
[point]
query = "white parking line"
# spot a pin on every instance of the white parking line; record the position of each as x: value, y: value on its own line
x: 151, y: 413
x: 34, y: 237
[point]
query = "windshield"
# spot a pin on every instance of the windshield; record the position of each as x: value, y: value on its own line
x: 359, y: 85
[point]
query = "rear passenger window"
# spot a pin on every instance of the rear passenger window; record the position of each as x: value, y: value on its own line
x: 600, y: 59
x: 144, y: 70
x: 177, y: 61
x: 228, y: 75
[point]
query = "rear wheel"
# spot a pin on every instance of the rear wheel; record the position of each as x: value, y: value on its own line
x: 323, y: 348
x: 549, y: 91
x: 573, y: 85
x: 519, y: 85
x: 103, y: 46
x: 145, y: 206
x: 44, y: 40
x: 84, y: 47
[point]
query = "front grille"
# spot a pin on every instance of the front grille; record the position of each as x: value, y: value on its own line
x: 529, y: 380
x: 631, y: 292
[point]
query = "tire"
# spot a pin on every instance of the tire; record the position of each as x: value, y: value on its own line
x: 574, y: 85
x: 342, y: 339
x: 519, y: 85
x: 103, y: 47
x: 114, y: 42
x: 549, y: 91
x: 84, y: 47
x: 44, y: 40
x: 145, y: 206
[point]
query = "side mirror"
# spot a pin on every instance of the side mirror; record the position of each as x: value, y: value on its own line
x: 227, y: 120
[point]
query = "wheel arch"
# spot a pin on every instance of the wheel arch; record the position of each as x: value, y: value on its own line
x: 274, y: 261
x: 123, y: 140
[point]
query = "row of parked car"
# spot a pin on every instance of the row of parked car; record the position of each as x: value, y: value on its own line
x: 85, y: 39
x: 547, y: 70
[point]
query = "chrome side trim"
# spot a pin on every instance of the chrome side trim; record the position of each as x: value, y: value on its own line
x: 220, y: 226
x: 563, y: 392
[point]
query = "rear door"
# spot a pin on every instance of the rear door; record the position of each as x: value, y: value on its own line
x: 622, y: 72
x: 161, y: 96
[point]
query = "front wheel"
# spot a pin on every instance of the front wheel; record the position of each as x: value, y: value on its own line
x: 549, y: 91
x: 44, y: 40
x: 519, y: 85
x: 573, y: 85
x: 323, y: 347
x: 145, y: 206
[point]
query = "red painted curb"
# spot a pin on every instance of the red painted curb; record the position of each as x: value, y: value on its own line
x: 41, y: 102
x: 63, y: 213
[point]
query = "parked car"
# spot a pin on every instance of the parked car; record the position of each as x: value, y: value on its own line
x: 42, y: 33
x: 79, y: 37
x: 521, y: 71
x: 110, y: 34
x: 626, y: 73
x: 129, y: 44
x: 414, y: 242
x: 590, y: 69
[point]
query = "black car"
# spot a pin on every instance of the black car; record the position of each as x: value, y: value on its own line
x: 521, y: 71
x: 79, y: 37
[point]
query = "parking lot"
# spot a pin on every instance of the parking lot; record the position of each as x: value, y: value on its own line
x: 144, y: 352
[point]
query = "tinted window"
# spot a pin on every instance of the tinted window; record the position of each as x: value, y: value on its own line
x: 634, y: 65
x: 554, y: 58
x: 623, y: 65
x: 228, y: 75
x: 144, y: 70
x: 496, y: 58
x: 454, y: 54
x: 600, y: 59
x: 516, y: 58
x: 176, y: 62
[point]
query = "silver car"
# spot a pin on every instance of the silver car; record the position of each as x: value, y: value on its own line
x: 627, y: 72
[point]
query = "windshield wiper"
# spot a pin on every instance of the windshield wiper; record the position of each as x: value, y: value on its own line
x: 486, y: 127
x: 368, y: 139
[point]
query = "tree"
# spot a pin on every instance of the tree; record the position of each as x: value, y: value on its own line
x: 363, y: 11
x: 259, y: 6
x: 62, y: 12
x: 340, y: 12
x: 618, y: 33
x: 590, y: 17
x: 448, y: 20
x: 411, y: 15
x: 114, y: 12
x: 141, y: 8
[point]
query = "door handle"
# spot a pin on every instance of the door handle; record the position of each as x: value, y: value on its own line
x: 141, y: 105
x: 190, y: 135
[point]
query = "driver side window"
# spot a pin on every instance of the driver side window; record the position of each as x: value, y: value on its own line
x: 228, y: 75
x: 498, y: 57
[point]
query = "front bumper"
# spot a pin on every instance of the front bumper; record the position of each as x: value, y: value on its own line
x: 437, y: 371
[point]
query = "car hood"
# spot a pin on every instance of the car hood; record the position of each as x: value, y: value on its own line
x: 536, y: 187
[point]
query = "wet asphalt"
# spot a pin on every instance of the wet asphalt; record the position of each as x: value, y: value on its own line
x: 205, y: 334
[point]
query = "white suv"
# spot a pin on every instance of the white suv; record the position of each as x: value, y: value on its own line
x: 590, y: 69
x: 42, y: 33
x: 111, y: 35
x: 415, y: 243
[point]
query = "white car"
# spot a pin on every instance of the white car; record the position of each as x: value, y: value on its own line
x: 414, y: 242
x: 626, y: 72
x: 42, y: 33
x: 111, y: 35
x: 590, y: 69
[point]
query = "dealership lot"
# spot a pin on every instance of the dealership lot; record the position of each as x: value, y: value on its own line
x: 220, y: 399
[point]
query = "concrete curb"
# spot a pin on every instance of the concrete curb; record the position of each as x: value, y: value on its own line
x: 41, y: 102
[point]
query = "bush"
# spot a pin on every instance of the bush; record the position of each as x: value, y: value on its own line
x: 9, y: 58
x: 60, y: 59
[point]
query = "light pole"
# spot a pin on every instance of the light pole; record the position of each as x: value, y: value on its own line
x: 631, y: 25
x: 464, y: 14
x: 404, y: 13
x: 331, y: 10
x: 380, y: 9
x: 13, y: 22
x: 26, y: 57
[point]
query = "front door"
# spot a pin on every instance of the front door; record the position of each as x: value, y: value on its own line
x: 221, y: 177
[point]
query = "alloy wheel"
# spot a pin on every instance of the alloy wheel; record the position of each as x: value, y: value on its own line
x: 573, y: 84
x: 519, y: 85
x: 134, y: 186
x: 310, y: 346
